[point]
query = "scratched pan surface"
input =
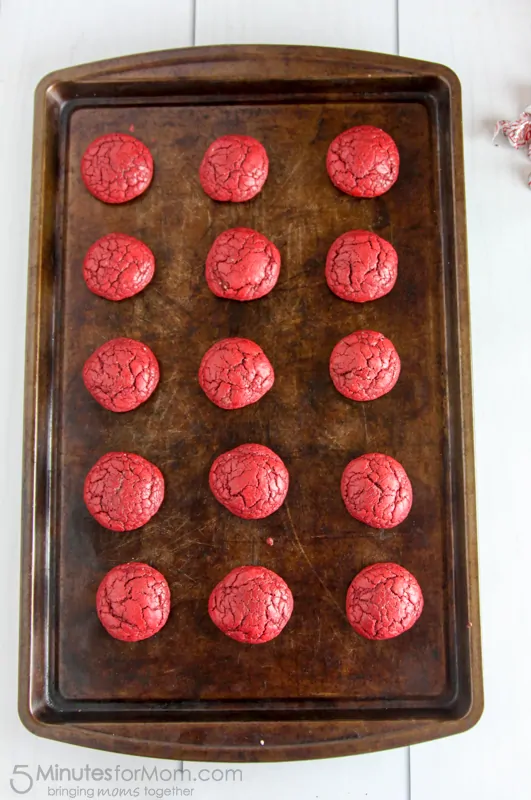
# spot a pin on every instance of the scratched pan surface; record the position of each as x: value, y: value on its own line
x: 162, y: 696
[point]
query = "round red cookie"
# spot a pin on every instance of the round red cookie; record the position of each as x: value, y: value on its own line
x: 251, y: 605
x: 361, y: 266
x: 383, y: 601
x: 363, y: 161
x: 123, y: 491
x: 234, y: 168
x: 242, y: 265
x: 251, y: 481
x: 133, y: 602
x: 376, y: 490
x: 235, y: 373
x: 118, y: 266
x: 116, y: 168
x: 121, y: 374
x: 364, y: 365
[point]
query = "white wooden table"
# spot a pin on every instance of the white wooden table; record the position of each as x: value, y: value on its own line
x: 487, y: 44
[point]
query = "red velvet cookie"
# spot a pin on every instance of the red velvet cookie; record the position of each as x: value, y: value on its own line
x: 383, y: 601
x: 251, y: 481
x: 118, y: 266
x: 376, y: 490
x: 116, y: 168
x: 242, y: 265
x: 363, y: 161
x: 234, y: 169
x: 361, y: 266
x: 251, y: 605
x: 123, y: 491
x: 235, y: 373
x: 133, y: 602
x: 364, y: 365
x: 121, y: 374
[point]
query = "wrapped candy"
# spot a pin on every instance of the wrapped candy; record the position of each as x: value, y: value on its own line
x: 518, y: 132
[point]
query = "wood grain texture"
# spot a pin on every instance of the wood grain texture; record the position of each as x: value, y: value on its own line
x: 341, y: 23
x: 492, y: 759
x: 432, y: 337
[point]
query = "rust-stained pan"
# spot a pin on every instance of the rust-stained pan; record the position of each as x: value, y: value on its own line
x: 318, y: 689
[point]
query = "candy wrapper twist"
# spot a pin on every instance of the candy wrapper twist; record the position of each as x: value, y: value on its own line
x: 518, y: 133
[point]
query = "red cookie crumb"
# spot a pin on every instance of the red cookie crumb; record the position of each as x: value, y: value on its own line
x: 118, y: 266
x: 116, y: 168
x: 270, y: 541
x: 123, y: 491
x: 251, y: 605
x: 376, y: 490
x: 250, y: 480
x: 234, y: 168
x: 121, y: 374
x: 364, y: 365
x: 363, y: 161
x: 361, y: 266
x: 235, y: 373
x: 383, y: 601
x: 242, y: 265
x: 133, y: 602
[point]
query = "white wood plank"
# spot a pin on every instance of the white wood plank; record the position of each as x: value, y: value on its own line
x: 335, y: 23
x: 487, y: 44
x: 334, y: 779
x: 378, y: 776
x: 37, y: 36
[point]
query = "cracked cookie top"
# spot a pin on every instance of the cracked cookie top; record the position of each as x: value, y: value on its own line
x: 376, y: 490
x: 251, y: 604
x: 118, y: 266
x: 133, y: 602
x: 383, y: 601
x: 234, y: 169
x: 116, y: 168
x: 364, y: 365
x: 363, y: 161
x: 242, y: 265
x: 235, y: 373
x: 361, y: 266
x: 123, y: 491
x: 250, y: 480
x: 121, y: 374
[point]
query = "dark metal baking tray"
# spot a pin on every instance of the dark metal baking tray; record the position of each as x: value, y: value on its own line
x: 318, y: 689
